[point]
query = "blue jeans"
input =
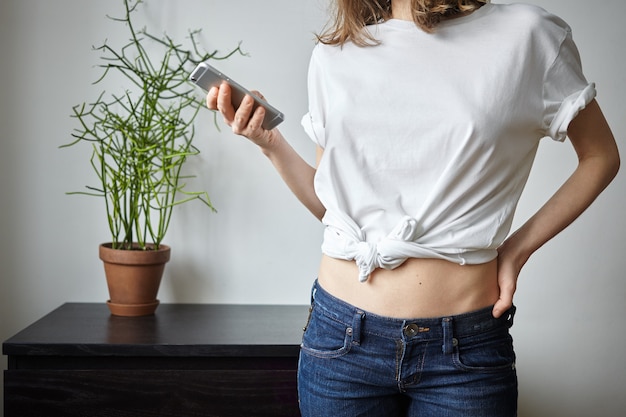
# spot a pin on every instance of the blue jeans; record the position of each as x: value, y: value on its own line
x: 353, y: 363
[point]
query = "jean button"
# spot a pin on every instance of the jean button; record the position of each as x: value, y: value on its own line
x: 410, y: 330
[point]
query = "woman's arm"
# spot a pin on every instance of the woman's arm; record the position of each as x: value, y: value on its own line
x: 297, y: 174
x: 295, y: 171
x: 598, y: 163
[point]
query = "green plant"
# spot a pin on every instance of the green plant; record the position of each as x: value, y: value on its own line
x: 142, y: 137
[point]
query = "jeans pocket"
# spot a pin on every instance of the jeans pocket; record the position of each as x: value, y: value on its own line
x: 487, y: 352
x: 326, y: 337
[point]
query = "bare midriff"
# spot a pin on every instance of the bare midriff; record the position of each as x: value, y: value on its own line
x: 419, y: 288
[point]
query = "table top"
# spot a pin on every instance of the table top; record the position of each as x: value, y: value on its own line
x: 88, y: 329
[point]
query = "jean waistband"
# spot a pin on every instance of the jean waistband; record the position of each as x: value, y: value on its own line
x: 462, y: 325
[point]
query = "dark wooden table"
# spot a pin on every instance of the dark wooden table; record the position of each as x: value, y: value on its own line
x: 186, y: 360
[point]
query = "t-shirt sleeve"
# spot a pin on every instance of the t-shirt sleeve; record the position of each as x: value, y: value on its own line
x: 313, y: 121
x: 566, y: 91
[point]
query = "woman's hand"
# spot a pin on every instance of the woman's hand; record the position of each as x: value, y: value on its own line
x: 295, y: 171
x: 243, y: 121
x: 509, y: 268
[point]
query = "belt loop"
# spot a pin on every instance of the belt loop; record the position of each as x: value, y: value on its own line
x: 449, y: 342
x: 313, y: 292
x: 308, y: 319
x: 356, y: 327
x: 511, y: 315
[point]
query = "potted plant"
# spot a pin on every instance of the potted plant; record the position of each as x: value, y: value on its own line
x: 141, y: 138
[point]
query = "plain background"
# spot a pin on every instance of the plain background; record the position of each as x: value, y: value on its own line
x: 262, y: 246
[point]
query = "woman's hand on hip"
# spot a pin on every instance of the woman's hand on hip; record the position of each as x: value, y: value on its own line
x: 509, y: 268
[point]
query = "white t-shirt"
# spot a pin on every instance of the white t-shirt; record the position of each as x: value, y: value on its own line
x: 429, y: 138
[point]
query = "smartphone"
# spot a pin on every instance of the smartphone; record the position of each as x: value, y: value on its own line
x: 205, y: 76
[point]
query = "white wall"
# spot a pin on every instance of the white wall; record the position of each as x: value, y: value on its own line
x: 262, y: 246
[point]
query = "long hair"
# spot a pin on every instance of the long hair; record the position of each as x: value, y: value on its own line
x: 349, y: 17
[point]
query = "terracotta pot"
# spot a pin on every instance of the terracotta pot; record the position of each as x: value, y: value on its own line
x: 133, y: 278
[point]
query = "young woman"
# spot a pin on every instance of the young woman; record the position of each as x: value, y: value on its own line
x: 427, y: 115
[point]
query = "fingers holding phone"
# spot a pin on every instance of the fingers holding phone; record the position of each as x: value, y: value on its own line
x: 219, y: 98
x: 247, y: 120
x: 211, y: 98
x: 226, y: 95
